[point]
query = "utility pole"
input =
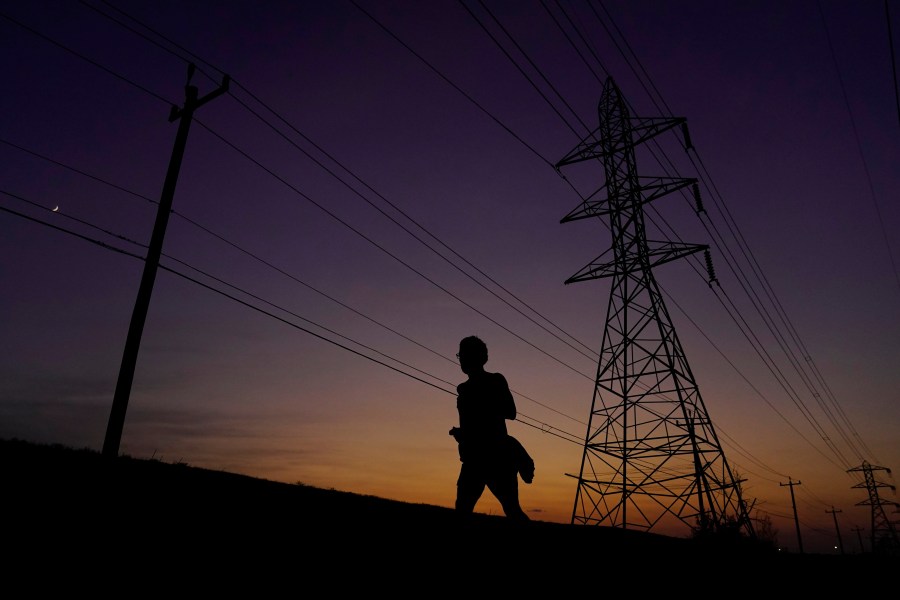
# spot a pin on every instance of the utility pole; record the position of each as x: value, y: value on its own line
x: 651, y: 455
x: 794, y: 503
x: 151, y: 263
x: 836, y: 528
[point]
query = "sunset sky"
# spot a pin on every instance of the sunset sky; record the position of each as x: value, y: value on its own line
x: 378, y: 183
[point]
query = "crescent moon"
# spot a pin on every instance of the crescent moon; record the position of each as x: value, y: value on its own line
x: 56, y: 208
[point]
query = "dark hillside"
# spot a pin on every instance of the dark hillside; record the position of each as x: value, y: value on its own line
x: 73, y: 515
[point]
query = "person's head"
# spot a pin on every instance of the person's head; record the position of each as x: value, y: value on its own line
x: 473, y: 354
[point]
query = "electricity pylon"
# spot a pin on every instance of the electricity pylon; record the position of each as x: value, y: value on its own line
x: 651, y: 455
x: 884, y: 534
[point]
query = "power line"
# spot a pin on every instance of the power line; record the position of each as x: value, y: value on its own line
x: 573, y: 44
x: 240, y: 249
x: 86, y: 59
x: 460, y: 90
x: 761, y: 311
x: 193, y: 57
x: 533, y: 422
x: 796, y: 363
x: 351, y: 188
x: 865, y: 164
x: 385, y: 250
x: 771, y: 365
x: 220, y: 238
x: 151, y: 201
x: 406, y: 230
x: 74, y: 233
x: 760, y: 394
x: 521, y: 71
x: 887, y: 15
x: 419, y: 56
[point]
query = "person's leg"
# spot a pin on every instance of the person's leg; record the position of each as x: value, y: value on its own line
x: 504, y: 484
x: 469, y: 488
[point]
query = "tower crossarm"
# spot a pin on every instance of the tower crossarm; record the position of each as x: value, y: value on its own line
x: 650, y: 189
x: 668, y: 251
x: 642, y: 129
x: 663, y: 253
x: 657, y: 187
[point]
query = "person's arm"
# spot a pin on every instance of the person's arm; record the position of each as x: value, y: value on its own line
x: 507, y: 403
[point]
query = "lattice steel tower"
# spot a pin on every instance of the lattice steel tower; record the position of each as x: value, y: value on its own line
x: 651, y: 456
x: 884, y: 534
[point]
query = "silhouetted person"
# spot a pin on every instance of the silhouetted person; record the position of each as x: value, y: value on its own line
x: 487, y: 452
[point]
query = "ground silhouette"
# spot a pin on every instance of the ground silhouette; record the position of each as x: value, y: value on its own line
x: 76, y: 518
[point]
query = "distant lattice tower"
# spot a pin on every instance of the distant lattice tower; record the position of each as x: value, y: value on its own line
x: 884, y: 532
x: 651, y: 455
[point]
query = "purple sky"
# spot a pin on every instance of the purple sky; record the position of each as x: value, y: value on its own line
x: 439, y: 156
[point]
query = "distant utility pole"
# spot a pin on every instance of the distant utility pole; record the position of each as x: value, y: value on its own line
x: 836, y: 528
x: 794, y: 503
x: 151, y: 263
